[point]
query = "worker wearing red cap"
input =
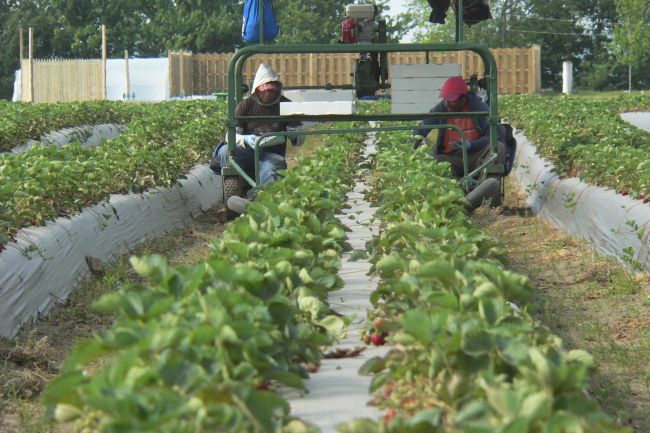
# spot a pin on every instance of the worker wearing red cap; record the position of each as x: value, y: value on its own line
x: 456, y: 98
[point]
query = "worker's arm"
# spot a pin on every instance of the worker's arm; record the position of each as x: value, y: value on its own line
x: 439, y: 108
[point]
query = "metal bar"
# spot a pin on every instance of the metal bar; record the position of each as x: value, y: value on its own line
x: 460, y: 31
x: 261, y: 12
x: 233, y: 164
x: 364, y: 117
x: 350, y: 131
x: 236, y: 64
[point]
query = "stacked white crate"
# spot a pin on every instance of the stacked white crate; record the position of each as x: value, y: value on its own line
x: 415, y: 88
x: 318, y: 101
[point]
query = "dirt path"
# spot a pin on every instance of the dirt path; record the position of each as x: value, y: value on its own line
x: 30, y: 361
x: 591, y: 302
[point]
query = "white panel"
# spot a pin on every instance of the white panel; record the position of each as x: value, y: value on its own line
x: 308, y: 95
x: 430, y: 98
x: 417, y: 84
x: 321, y: 107
x: 424, y: 71
x: 410, y: 108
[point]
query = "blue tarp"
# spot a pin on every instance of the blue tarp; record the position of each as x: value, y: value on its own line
x: 251, y: 25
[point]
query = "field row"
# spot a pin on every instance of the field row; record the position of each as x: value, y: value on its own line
x: 197, y: 348
x: 586, y: 137
x: 160, y: 145
x: 465, y: 358
x: 20, y: 122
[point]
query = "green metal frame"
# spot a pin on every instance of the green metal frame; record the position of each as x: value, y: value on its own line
x: 235, y: 93
x: 467, y: 181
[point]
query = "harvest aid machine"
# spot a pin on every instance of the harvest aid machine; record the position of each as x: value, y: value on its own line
x: 364, y: 33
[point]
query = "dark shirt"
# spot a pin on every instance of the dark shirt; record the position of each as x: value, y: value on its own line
x: 251, y: 106
x: 474, y: 104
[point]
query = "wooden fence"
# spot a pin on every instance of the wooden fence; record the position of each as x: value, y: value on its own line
x: 519, y: 69
x: 62, y: 80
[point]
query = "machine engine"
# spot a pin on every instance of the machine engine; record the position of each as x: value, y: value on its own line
x: 362, y: 26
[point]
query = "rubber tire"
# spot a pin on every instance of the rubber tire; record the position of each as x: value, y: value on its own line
x: 497, y: 200
x: 232, y: 186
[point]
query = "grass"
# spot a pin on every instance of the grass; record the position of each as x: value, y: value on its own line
x: 592, y: 302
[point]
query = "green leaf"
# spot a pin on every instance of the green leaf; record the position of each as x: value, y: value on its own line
x: 378, y: 381
x: 489, y: 309
x: 504, y: 401
x: 389, y: 265
x: 108, y: 303
x: 363, y: 425
x: 287, y: 378
x: 473, y: 410
x: 537, y: 405
x: 335, y: 325
x: 425, y: 418
x: 358, y: 255
x: 582, y: 357
x: 154, y: 268
x: 477, y: 343
x: 372, y: 366
x: 418, y: 324
x: 519, y: 425
x: 267, y: 408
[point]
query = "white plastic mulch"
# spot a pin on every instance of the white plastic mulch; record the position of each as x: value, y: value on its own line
x: 336, y: 392
x: 89, y: 136
x: 616, y: 225
x: 46, y: 263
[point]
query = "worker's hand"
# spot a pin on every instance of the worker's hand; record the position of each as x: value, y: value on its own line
x: 249, y: 140
x: 419, y: 141
x: 457, y: 145
x: 297, y: 140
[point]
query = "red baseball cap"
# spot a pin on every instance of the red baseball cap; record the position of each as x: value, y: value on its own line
x: 454, y: 88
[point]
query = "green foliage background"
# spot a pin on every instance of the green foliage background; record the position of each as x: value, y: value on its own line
x: 149, y: 28
x: 588, y: 31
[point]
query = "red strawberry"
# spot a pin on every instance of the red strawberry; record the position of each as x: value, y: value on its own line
x: 390, y: 414
x: 377, y: 339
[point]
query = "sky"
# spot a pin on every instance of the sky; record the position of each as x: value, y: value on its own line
x: 397, y: 6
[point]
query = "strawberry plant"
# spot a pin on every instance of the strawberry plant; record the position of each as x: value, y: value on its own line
x: 464, y: 357
x: 21, y: 121
x: 156, y: 150
x: 199, y: 348
x: 587, y: 138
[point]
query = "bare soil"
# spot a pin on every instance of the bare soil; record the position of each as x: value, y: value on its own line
x: 593, y: 303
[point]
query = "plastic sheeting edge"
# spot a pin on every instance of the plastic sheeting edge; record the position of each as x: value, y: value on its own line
x: 616, y: 225
x: 46, y: 263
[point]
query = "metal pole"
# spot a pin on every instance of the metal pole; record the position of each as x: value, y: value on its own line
x: 128, y: 81
x: 104, y: 55
x: 31, y: 65
x: 459, y: 22
x: 261, y: 21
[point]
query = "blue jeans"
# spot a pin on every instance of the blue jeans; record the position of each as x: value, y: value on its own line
x: 270, y: 162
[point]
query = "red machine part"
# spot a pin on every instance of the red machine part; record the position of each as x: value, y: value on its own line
x: 349, y: 33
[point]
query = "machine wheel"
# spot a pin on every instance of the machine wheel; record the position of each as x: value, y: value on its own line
x: 232, y: 186
x: 497, y: 199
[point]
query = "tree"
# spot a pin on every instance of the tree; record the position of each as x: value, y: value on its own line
x: 631, y: 42
x: 575, y: 29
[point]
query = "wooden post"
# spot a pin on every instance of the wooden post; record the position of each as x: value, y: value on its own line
x: 22, y: 46
x: 104, y: 61
x: 31, y: 65
x: 181, y: 57
x: 126, y: 70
